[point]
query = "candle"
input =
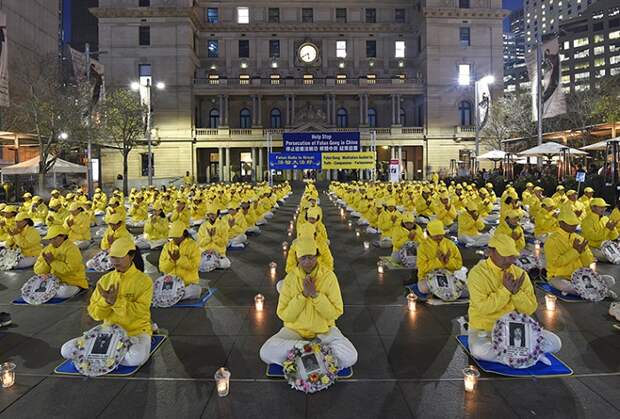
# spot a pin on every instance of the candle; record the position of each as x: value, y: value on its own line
x: 222, y: 380
x: 593, y: 266
x: 537, y: 248
x: 366, y: 245
x: 550, y: 301
x: 411, y: 301
x: 290, y: 233
x: 470, y: 377
x: 357, y: 234
x: 259, y: 301
x: 272, y: 267
x: 350, y: 223
x: 285, y: 246
x: 7, y: 374
x: 380, y: 266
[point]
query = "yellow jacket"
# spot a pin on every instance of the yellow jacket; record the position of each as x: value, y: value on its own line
x: 489, y: 300
x: 118, y: 233
x: 132, y: 308
x: 468, y: 226
x: 239, y: 224
x: 156, y: 228
x: 250, y: 216
x: 55, y: 218
x: 400, y: 236
x: 9, y: 224
x: 562, y: 258
x: 28, y: 240
x: 80, y: 229
x: 546, y: 223
x: 504, y: 228
x: 594, y: 230
x: 139, y: 212
x: 216, y: 242
x: 325, y: 256
x: 67, y: 264
x: 427, y: 260
x: 38, y: 214
x: 423, y: 207
x: 310, y: 316
x: 184, y: 216
x: 186, y: 267
x: 385, y: 223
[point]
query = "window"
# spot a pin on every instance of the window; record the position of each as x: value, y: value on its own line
x: 580, y: 42
x: 214, y: 118
x: 599, y: 38
x: 307, y: 15
x: 582, y: 54
x: 614, y: 35
x: 245, y: 119
x: 582, y: 76
x: 144, y: 160
x: 399, y: 49
x: 371, y: 49
x: 144, y: 3
x: 597, y: 27
x: 599, y: 62
x: 399, y: 15
x: 144, y: 70
x: 341, y: 49
x: 464, y: 74
x: 402, y: 117
x: 213, y: 48
x: 342, y: 118
x: 274, y: 15
x: 599, y: 50
x: 244, y: 48
x: 465, y: 113
x: 144, y: 35
x: 341, y: 15
x: 614, y: 23
x: 274, y: 48
x: 372, y: 118
x: 599, y: 73
x: 464, y: 37
x: 371, y: 15
x: 464, y: 4
x: 243, y: 15
x: 565, y: 79
x: 614, y: 60
x: 276, y: 118
x: 213, y: 15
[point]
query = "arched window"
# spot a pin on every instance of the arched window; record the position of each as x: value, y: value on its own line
x: 276, y: 118
x: 465, y: 109
x: 214, y: 118
x: 402, y: 117
x: 342, y: 118
x: 372, y: 118
x: 245, y: 118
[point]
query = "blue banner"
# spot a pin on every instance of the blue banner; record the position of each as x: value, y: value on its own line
x: 316, y: 142
x: 284, y: 161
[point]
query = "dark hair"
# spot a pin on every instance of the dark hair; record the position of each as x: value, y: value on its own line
x: 30, y: 222
x: 186, y: 234
x: 162, y: 214
x: 137, y: 259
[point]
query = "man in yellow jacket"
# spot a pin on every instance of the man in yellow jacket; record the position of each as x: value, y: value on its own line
x: 123, y: 297
x: 497, y: 287
x: 546, y: 220
x: 407, y: 231
x: 78, y: 226
x: 470, y: 227
x: 237, y: 225
x: 309, y: 305
x: 25, y: 237
x: 597, y: 228
x: 213, y: 236
x: 307, y: 231
x: 181, y: 257
x: 511, y: 227
x: 62, y: 258
x: 387, y: 221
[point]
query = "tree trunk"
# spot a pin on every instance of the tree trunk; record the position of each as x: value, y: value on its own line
x: 41, y: 186
x: 125, y: 171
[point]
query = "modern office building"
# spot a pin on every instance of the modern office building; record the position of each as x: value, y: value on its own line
x: 515, y: 70
x: 79, y: 24
x: 237, y: 72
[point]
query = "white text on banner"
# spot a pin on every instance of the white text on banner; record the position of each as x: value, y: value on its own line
x: 356, y: 160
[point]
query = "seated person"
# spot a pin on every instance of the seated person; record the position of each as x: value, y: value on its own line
x: 7, y: 222
x: 78, y: 226
x: 565, y: 252
x: 573, y: 204
x: 156, y: 227
x: 471, y: 226
x: 237, y: 226
x: 597, y: 228
x: 307, y: 231
x: 309, y: 305
x: 314, y: 216
x: 25, y: 237
x: 181, y: 257
x: 407, y: 231
x: 62, y: 258
x: 213, y: 236
x: 115, y: 207
x: 497, y: 287
x: 181, y: 213
x: 423, y: 205
x: 138, y: 213
x: 250, y: 217
x: 388, y: 219
x: 116, y: 229
x: 123, y: 297
x: 510, y: 226
x: 38, y: 211
x: 444, y: 210
x: 546, y: 220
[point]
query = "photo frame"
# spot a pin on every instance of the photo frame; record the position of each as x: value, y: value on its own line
x: 589, y: 284
x: 445, y: 285
x: 100, y: 350
x: 167, y: 291
x: 39, y: 289
x: 517, y: 339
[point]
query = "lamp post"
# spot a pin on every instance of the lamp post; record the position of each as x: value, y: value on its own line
x: 484, y: 82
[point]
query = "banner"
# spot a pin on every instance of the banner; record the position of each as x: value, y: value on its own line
x: 285, y: 161
x: 394, y: 171
x: 359, y: 160
x: 78, y: 62
x: 321, y: 141
x: 4, y: 62
x: 554, y: 102
x: 483, y: 100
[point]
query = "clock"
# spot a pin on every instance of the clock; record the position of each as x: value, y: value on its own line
x: 308, y: 53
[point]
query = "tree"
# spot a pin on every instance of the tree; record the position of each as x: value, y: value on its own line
x: 607, y: 107
x: 122, y: 122
x: 510, y: 117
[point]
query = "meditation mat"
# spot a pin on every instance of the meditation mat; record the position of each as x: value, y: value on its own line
x: 540, y: 370
x: 20, y: 301
x: 616, y: 326
x: 196, y: 303
x: 276, y: 371
x: 234, y: 249
x: 547, y: 287
x: 67, y: 367
x: 89, y: 270
x: 391, y: 264
x: 430, y: 299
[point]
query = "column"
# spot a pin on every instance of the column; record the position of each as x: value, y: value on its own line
x: 221, y: 110
x: 292, y: 109
x: 366, y: 108
x: 287, y: 99
x: 254, y: 179
x: 259, y: 176
x: 254, y: 110
x: 397, y: 112
x: 392, y: 152
x: 361, y: 99
x: 226, y: 110
x: 259, y: 117
x: 220, y: 164
x: 393, y: 110
x: 328, y: 112
x: 227, y: 170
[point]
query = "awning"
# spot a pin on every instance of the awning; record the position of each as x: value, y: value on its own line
x: 31, y: 166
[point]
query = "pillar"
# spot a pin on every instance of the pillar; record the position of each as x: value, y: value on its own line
x: 393, y: 109
x: 361, y: 99
x: 226, y: 110
x: 254, y: 110
x: 328, y: 110
x: 259, y: 117
x: 287, y: 99
x: 254, y: 179
x: 292, y: 109
x: 260, y: 171
x: 221, y: 110
x: 392, y: 152
x: 227, y: 170
x: 220, y: 163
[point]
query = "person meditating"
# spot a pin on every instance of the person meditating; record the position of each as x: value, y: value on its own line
x: 180, y: 257
x: 123, y: 297
x: 25, y: 237
x: 309, y: 304
x: 497, y: 287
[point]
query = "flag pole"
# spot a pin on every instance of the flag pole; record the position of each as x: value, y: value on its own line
x: 539, y: 98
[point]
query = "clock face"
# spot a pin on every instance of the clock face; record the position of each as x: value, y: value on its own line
x: 308, y: 53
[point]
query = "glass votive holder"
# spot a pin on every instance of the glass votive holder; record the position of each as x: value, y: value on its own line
x: 366, y: 245
x: 380, y: 267
x: 259, y: 302
x: 222, y: 381
x: 550, y: 302
x: 412, y: 300
x: 285, y: 246
x: 272, y: 268
x: 7, y: 374
x: 470, y: 378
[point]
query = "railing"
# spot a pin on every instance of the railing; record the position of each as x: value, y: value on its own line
x: 465, y: 128
x: 241, y: 131
x: 382, y: 130
x: 413, y: 130
x: 206, y: 131
x: 304, y: 83
x: 245, y: 132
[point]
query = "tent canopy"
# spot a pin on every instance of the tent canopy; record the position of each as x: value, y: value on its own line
x: 30, y: 167
x: 493, y: 155
x: 600, y: 146
x: 550, y: 149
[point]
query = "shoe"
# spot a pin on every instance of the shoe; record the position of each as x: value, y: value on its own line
x: 614, y: 311
x: 5, y: 319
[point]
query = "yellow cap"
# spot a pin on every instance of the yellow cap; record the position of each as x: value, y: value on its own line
x: 314, y: 212
x: 121, y: 247
x: 514, y: 213
x: 27, y: 195
x: 10, y: 208
x: 538, y: 188
x: 529, y: 185
x: 504, y: 245
x: 306, y: 230
x: 305, y: 247
x: 391, y: 202
x: 548, y: 202
x: 435, y: 228
x: 559, y: 188
x: 571, y: 192
x: 74, y: 206
x: 177, y: 229
x: 55, y: 230
x: 598, y: 202
x: 568, y: 217
x: 55, y: 191
x: 408, y: 217
x: 588, y: 190
x: 114, y: 218
x: 471, y: 206
x: 22, y: 216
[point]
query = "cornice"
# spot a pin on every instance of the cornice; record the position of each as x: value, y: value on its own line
x: 455, y: 12
x: 308, y: 27
x: 146, y: 12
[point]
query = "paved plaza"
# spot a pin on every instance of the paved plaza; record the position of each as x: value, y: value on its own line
x: 410, y: 364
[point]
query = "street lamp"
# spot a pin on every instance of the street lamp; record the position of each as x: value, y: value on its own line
x: 483, y: 83
x: 63, y: 136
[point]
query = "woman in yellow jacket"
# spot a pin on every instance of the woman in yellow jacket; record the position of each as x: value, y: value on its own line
x: 156, y: 228
x: 307, y: 231
x: 116, y: 207
x: 510, y: 226
x: 123, y: 297
x: 181, y: 213
x: 546, y: 220
x: 407, y: 231
x: 180, y: 257
x: 7, y: 222
x: 26, y: 238
x: 139, y: 210
x: 116, y: 230
x: 387, y: 221
x: 309, y: 305
x: 444, y: 210
x: 213, y: 236
x: 78, y: 226
x: 597, y: 228
x: 237, y: 226
x: 470, y: 227
x: 62, y: 258
x: 38, y: 211
x: 250, y: 217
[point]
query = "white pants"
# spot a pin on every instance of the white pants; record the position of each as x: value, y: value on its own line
x: 192, y: 291
x: 261, y: 222
x: 275, y: 350
x: 566, y: 286
x: 253, y: 229
x: 491, y: 219
x: 385, y: 243
x: 268, y: 215
x: 224, y: 263
x: 238, y: 241
x: 26, y: 262
x: 82, y: 244
x: 279, y: 286
x: 138, y: 352
x: 372, y: 230
x: 421, y: 219
x: 67, y: 291
x: 362, y: 222
x: 602, y: 257
x: 481, y: 345
x: 480, y: 240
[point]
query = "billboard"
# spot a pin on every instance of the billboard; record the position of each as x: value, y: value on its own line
x: 318, y: 142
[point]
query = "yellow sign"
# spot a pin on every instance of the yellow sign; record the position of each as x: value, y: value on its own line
x: 355, y: 160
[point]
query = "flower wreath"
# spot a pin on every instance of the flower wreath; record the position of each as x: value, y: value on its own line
x: 9, y: 258
x: 407, y: 254
x: 95, y: 365
x: 100, y: 262
x: 315, y: 381
x: 589, y: 285
x: 529, y: 262
x: 209, y: 261
x: 31, y: 293
x: 168, y: 298
x: 522, y: 357
x: 454, y: 286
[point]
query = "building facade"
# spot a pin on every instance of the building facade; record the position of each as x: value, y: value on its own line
x: 239, y: 72
x: 515, y: 70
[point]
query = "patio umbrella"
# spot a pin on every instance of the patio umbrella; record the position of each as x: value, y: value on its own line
x: 600, y: 146
x: 492, y: 155
x: 551, y: 149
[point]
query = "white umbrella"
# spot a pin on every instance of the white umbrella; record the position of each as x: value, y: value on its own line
x: 550, y: 149
x: 493, y: 155
x: 600, y: 146
x: 534, y: 160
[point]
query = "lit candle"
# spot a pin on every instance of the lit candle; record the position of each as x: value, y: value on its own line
x: 412, y: 301
x: 259, y: 301
x: 350, y: 223
x: 285, y: 246
x: 593, y: 266
x: 366, y: 245
x: 290, y: 233
x: 342, y: 212
x: 550, y: 301
x: 357, y: 234
x: 537, y: 248
x: 7, y: 374
x: 273, y: 266
x: 380, y: 266
x: 222, y: 379
x: 470, y: 376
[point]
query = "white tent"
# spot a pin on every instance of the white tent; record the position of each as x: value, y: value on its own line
x: 493, y: 155
x: 31, y: 167
x: 550, y: 149
x: 600, y: 146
